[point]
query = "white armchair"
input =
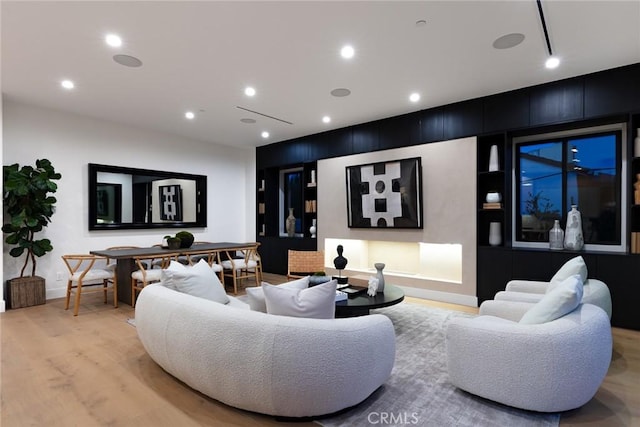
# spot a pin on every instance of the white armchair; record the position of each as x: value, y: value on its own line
x: 595, y: 292
x: 549, y: 367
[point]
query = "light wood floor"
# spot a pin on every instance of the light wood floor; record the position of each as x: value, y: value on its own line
x: 91, y: 370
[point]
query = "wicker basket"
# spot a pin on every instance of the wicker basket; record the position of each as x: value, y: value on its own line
x: 26, y: 291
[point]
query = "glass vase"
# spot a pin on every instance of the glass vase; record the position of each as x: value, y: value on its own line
x: 556, y: 236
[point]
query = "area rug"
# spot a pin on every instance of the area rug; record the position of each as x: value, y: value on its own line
x: 419, y: 392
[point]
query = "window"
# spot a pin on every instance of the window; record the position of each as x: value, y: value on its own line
x: 291, y: 197
x: 552, y: 172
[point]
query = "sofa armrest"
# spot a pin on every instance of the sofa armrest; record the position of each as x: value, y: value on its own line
x: 518, y: 296
x: 529, y: 286
x: 510, y: 310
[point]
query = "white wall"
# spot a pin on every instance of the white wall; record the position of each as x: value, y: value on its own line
x: 72, y: 141
x: 449, y: 197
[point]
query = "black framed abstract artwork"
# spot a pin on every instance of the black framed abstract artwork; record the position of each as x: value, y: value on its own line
x: 170, y: 203
x: 385, y: 194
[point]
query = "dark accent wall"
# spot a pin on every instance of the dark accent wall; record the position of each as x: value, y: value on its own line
x: 583, y: 100
x: 591, y: 96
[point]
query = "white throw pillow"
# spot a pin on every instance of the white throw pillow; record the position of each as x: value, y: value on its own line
x: 555, y: 304
x: 317, y: 302
x: 199, y: 280
x: 255, y: 295
x: 166, y: 279
x: 572, y: 267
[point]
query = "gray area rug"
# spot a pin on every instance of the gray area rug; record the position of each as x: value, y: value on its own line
x: 418, y: 391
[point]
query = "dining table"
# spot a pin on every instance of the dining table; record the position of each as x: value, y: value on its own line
x: 125, y: 259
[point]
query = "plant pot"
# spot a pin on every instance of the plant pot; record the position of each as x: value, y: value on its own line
x: 173, y: 244
x: 26, y: 291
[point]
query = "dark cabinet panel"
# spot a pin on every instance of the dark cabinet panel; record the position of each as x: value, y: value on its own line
x: 431, y: 125
x: 558, y: 258
x: 400, y: 131
x: 532, y: 265
x: 556, y: 102
x: 506, y: 111
x: 494, y: 271
x: 365, y: 138
x: 462, y: 119
x: 338, y: 142
x: 273, y: 251
x: 612, y: 91
x: 621, y: 273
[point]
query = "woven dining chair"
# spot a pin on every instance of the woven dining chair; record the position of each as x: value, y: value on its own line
x: 149, y: 271
x: 85, y: 273
x: 304, y: 263
x: 249, y: 265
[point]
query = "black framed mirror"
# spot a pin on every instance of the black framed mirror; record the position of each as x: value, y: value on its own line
x: 126, y: 198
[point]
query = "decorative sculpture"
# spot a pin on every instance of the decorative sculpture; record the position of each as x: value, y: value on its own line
x: 340, y: 263
x: 372, y: 290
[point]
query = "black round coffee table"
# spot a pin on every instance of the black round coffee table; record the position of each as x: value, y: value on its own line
x: 362, y: 303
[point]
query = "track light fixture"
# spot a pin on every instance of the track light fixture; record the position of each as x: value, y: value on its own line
x: 552, y: 61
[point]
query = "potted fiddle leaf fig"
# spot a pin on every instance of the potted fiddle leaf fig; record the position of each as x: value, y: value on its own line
x: 29, y: 206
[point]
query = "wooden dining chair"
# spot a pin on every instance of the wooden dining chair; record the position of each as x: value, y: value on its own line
x: 149, y: 271
x: 247, y: 265
x: 85, y: 273
x: 212, y: 257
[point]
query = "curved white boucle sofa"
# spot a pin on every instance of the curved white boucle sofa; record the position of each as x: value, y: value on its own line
x: 276, y: 365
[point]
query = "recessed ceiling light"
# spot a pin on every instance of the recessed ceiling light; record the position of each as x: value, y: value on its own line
x: 248, y: 120
x: 265, y: 134
x: 508, y: 41
x: 326, y: 119
x: 189, y: 115
x: 113, y: 40
x: 127, y: 60
x: 421, y: 23
x: 340, y: 92
x: 347, y: 52
x: 414, y: 97
x: 552, y: 62
x: 249, y: 91
x: 67, y: 84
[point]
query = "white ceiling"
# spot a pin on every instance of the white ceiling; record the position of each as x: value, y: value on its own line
x: 200, y: 56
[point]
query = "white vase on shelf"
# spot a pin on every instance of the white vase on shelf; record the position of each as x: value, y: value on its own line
x: 493, y: 197
x: 495, y: 234
x: 636, y: 144
x: 313, y: 228
x: 494, y: 162
x: 573, y: 238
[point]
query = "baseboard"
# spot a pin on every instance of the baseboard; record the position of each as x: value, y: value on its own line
x: 449, y: 297
x: 56, y: 293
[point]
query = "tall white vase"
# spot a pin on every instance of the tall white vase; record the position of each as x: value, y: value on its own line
x: 494, y: 162
x: 636, y: 144
x: 379, y: 267
x: 495, y: 234
x: 573, y: 238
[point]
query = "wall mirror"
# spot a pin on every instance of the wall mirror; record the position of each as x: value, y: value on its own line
x: 126, y: 198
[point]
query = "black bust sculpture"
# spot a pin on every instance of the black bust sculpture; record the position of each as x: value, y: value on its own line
x: 340, y: 263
